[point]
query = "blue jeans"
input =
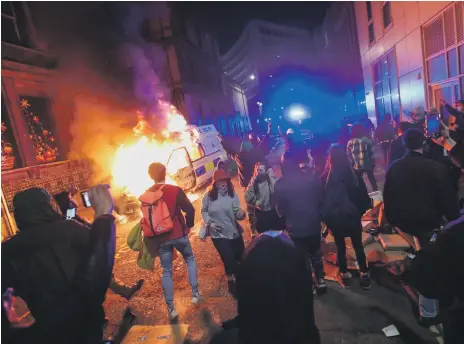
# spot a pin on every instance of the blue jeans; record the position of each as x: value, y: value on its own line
x: 183, y: 246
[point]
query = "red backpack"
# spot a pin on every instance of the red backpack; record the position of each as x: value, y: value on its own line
x: 157, y: 219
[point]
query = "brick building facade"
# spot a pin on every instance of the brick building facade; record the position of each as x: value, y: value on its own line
x: 35, y: 121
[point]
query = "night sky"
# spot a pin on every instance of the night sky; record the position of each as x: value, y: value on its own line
x: 226, y: 19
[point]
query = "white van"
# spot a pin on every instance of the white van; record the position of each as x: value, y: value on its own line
x: 192, y: 167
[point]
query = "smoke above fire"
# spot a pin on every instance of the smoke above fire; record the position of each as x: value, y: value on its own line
x: 110, y: 75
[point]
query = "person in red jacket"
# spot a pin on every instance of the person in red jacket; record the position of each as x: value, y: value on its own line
x: 177, y: 203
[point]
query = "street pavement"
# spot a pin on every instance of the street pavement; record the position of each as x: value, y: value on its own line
x: 342, y: 315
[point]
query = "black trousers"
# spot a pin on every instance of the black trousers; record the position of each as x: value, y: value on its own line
x: 268, y: 220
x: 231, y: 253
x: 385, y: 145
x: 355, y: 234
x: 311, y: 247
x: 370, y: 176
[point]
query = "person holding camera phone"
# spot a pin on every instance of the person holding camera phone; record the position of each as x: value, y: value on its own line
x: 221, y: 210
x: 65, y: 292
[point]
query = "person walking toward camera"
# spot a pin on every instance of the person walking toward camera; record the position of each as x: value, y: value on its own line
x: 220, y: 210
x: 259, y: 194
x: 345, y: 200
x: 165, y: 228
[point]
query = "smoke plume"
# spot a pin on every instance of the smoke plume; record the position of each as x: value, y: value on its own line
x: 106, y: 71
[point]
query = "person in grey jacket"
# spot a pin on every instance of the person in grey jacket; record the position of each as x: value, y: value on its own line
x: 259, y: 194
x: 297, y: 200
x: 220, y: 210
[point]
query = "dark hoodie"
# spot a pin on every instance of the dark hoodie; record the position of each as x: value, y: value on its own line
x: 297, y: 199
x: 42, y: 261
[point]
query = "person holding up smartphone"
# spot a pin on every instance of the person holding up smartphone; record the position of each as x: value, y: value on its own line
x: 60, y: 302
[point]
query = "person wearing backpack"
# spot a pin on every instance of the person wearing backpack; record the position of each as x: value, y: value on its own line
x: 164, y: 224
x: 345, y: 200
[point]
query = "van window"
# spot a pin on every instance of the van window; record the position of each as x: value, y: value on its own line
x: 196, y: 151
x: 179, y: 159
x: 211, y: 145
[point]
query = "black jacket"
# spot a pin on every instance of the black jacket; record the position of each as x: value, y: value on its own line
x: 418, y: 192
x: 296, y: 195
x: 345, y: 200
x: 437, y: 272
x: 396, y: 150
x: 457, y: 154
x: 59, y: 267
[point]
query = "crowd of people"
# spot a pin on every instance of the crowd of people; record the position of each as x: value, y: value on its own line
x: 62, y: 267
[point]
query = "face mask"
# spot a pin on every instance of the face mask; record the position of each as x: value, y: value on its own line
x: 222, y: 190
x: 261, y: 177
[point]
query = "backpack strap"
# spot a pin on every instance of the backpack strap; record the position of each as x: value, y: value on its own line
x: 150, y: 218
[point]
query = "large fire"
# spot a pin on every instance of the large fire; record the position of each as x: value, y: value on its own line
x: 131, y: 162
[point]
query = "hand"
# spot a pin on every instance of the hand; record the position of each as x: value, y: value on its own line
x: 269, y: 125
x: 214, y: 227
x: 72, y: 190
x: 240, y: 214
x: 101, y: 200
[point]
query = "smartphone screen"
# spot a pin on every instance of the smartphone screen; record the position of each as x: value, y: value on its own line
x: 433, y: 125
x: 86, y: 199
x: 70, y: 213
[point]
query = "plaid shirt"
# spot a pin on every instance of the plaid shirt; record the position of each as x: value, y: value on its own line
x: 361, y: 154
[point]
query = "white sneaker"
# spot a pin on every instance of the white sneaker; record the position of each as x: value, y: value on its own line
x: 196, y: 299
x: 173, y: 315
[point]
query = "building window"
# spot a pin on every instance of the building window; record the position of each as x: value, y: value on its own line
x: 370, y: 22
x: 10, y: 30
x: 386, y: 14
x: 444, y: 54
x: 371, y: 33
x: 387, y: 99
x: 36, y: 113
x: 10, y: 153
x: 369, y: 10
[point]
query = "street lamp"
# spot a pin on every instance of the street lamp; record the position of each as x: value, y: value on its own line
x: 252, y: 77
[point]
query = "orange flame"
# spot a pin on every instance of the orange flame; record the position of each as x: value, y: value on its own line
x: 131, y: 162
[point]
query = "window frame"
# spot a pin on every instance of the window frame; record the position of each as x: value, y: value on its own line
x: 447, y: 48
x: 370, y: 22
x: 12, y: 18
x: 380, y: 82
x: 390, y: 24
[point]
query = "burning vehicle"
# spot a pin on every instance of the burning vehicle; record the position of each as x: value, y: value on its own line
x: 190, y: 154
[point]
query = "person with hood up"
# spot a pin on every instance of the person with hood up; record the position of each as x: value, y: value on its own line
x: 60, y: 268
x: 273, y: 303
x: 297, y: 201
x: 345, y: 201
x: 259, y: 194
x: 177, y: 203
